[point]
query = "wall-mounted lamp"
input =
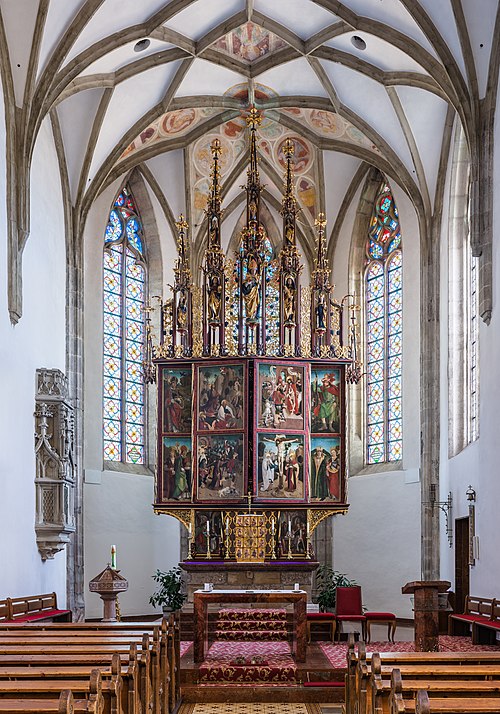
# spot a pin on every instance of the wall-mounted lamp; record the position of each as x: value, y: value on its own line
x: 446, y: 507
x: 471, y: 495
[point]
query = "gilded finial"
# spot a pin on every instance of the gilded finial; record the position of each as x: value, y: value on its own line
x: 320, y: 221
x: 254, y: 118
x: 216, y: 148
x: 181, y: 223
x: 288, y: 148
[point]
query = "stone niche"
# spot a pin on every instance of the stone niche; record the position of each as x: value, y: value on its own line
x: 275, y: 575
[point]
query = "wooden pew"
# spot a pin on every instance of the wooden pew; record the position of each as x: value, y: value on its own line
x: 33, y: 608
x: 115, y: 685
x: 452, y: 684
x: 139, y: 698
x: 359, y: 672
x: 164, y: 648
x: 61, y: 702
x: 405, y: 700
x: 88, y: 640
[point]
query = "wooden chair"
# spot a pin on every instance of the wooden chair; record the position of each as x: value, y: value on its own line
x: 349, y: 607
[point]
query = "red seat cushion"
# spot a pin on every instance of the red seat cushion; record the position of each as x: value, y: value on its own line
x: 351, y: 618
x: 40, y: 615
x: 492, y: 623
x: 324, y: 684
x: 472, y: 618
x: 380, y: 616
x: 321, y: 616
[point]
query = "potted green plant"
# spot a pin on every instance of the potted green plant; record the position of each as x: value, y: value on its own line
x: 328, y: 581
x: 169, y: 593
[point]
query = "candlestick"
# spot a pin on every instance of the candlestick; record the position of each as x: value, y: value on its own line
x: 209, y: 554
x: 190, y: 540
x: 113, y: 557
x: 273, y: 538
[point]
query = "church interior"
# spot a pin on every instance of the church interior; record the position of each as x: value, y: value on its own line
x: 248, y: 351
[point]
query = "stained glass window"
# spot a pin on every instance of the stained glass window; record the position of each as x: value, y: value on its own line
x: 384, y: 336
x: 474, y: 346
x: 123, y: 333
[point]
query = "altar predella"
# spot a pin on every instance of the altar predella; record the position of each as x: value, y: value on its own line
x: 252, y: 372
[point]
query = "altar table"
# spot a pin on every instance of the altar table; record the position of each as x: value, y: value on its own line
x: 201, y: 599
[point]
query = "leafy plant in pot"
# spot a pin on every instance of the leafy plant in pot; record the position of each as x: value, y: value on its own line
x: 328, y: 581
x: 169, y: 593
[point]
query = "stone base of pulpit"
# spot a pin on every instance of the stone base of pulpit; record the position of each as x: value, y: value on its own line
x: 271, y: 575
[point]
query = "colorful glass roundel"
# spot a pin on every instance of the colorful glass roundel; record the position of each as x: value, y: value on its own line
x: 384, y: 332
x: 124, y: 278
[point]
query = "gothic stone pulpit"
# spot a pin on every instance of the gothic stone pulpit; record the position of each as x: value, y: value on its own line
x: 426, y: 606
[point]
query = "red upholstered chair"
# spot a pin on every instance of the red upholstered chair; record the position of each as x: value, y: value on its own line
x: 349, y: 607
x: 321, y: 617
x: 381, y: 618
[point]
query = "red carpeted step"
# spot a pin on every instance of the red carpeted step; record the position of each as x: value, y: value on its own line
x: 246, y: 635
x: 233, y: 613
x: 271, y: 625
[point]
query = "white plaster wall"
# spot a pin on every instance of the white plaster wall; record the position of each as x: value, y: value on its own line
x: 378, y: 542
x: 477, y: 464
x: 38, y: 340
x: 117, y: 505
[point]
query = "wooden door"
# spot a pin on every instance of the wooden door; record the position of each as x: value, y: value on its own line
x: 461, y: 562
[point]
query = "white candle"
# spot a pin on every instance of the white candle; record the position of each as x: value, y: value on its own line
x: 208, y: 528
x: 290, y: 526
x: 190, y: 530
x: 227, y: 523
x: 113, y: 557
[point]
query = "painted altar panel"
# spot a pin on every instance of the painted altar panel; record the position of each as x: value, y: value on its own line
x: 274, y: 428
x: 218, y: 423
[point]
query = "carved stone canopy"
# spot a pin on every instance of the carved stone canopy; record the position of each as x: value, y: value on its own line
x: 108, y: 581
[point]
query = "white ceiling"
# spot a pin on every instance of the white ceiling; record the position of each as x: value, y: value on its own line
x: 84, y: 47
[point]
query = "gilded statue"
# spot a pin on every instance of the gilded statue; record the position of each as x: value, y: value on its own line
x: 181, y: 312
x: 251, y: 290
x: 320, y: 312
x: 289, y: 294
x: 214, y: 298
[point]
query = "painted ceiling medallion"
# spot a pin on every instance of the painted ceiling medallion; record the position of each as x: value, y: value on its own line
x: 249, y: 42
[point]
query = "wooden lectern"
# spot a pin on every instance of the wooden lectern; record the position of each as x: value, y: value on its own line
x: 425, y: 607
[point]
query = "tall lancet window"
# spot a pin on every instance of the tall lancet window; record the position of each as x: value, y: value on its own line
x: 125, y: 273
x: 383, y: 329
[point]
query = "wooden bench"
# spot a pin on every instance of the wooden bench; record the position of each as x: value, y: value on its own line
x: 56, y: 700
x: 358, y: 687
x: 408, y: 700
x: 33, y: 608
x: 451, y: 682
x: 159, y: 663
x: 478, y: 610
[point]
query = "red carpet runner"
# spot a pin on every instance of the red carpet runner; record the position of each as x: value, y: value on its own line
x: 251, y: 649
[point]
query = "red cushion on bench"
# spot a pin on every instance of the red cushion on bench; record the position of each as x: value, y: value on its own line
x: 321, y: 616
x: 380, y: 616
x: 471, y: 618
x: 40, y: 615
x: 491, y: 623
x: 353, y: 618
x: 324, y: 684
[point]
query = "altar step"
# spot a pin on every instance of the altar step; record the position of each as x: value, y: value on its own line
x: 251, y: 635
x: 245, y: 624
